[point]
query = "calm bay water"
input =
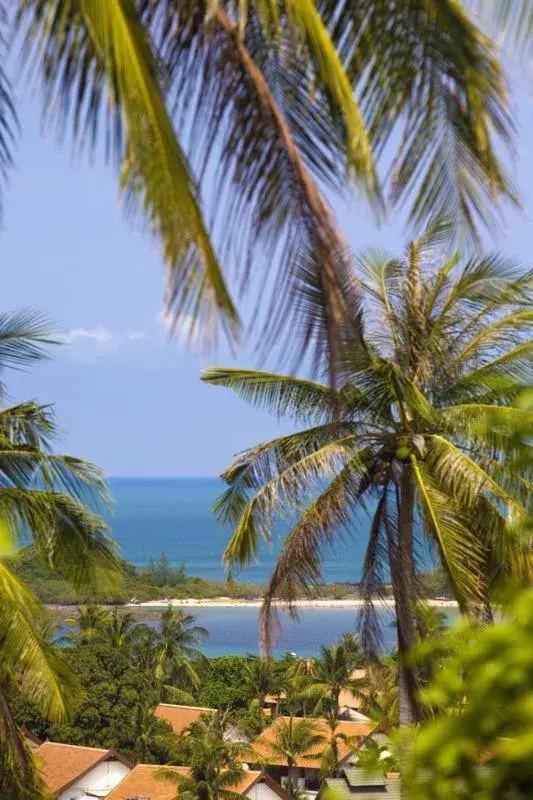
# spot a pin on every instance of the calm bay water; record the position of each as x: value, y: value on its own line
x: 174, y: 516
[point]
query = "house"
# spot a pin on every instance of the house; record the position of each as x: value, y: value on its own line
x: 71, y: 772
x: 272, y: 704
x: 306, y: 772
x: 180, y: 717
x: 142, y: 782
x: 349, y: 703
x: 357, y: 784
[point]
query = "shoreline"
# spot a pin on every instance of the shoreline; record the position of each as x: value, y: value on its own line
x: 229, y: 602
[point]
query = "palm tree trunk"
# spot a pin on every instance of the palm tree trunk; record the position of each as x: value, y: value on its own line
x: 400, y: 550
x: 406, y: 607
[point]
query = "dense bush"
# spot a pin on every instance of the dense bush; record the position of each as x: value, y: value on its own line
x: 116, y: 710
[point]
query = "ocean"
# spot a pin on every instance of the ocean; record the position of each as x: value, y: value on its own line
x: 174, y: 516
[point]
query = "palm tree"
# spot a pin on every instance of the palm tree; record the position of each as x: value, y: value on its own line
x: 282, y: 97
x: 422, y: 428
x: 334, y: 673
x: 215, y: 768
x: 380, y: 701
x: 294, y: 740
x: 45, y: 496
x: 329, y: 762
x: 120, y: 630
x: 260, y: 677
x: 91, y: 622
x: 297, y: 675
x: 145, y: 643
x: 178, y: 651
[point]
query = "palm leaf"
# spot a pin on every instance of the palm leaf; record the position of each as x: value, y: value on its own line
x: 22, y: 336
x: 460, y: 552
x: 67, y: 536
x: 298, y: 568
x: 427, y: 75
x: 8, y: 115
x: 286, y: 489
x: 228, y: 91
x: 93, y: 51
x: 282, y: 395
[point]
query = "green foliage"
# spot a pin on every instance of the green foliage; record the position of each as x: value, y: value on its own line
x: 295, y: 738
x: 116, y: 708
x: 156, y: 581
x: 436, y: 583
x: 51, y: 500
x: 426, y: 427
x: 215, y: 763
x: 482, y: 697
x: 223, y: 684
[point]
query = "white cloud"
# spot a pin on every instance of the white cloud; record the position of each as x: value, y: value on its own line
x: 102, y: 338
x: 100, y: 335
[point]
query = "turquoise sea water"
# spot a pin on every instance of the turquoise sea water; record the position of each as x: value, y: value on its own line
x: 174, y: 516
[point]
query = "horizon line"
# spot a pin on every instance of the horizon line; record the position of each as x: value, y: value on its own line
x: 159, y: 477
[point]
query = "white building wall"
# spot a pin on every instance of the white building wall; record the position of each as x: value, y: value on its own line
x: 103, y: 777
x: 262, y: 792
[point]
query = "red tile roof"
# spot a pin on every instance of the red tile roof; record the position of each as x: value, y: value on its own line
x: 180, y: 717
x: 143, y: 783
x: 61, y: 764
x: 262, y: 748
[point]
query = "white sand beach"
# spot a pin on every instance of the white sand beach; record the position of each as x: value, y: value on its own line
x: 230, y: 602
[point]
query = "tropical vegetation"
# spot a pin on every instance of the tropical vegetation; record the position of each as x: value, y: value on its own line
x: 160, y: 580
x: 479, y: 741
x: 215, y: 768
x: 51, y: 500
x: 426, y: 430
x: 284, y: 99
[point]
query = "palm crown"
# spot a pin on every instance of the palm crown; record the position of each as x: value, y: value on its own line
x: 253, y: 107
x: 50, y: 499
x: 426, y: 431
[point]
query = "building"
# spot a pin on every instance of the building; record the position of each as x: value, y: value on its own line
x: 180, y: 717
x: 142, y: 782
x: 306, y: 772
x: 357, y: 784
x: 71, y: 772
x: 350, y: 703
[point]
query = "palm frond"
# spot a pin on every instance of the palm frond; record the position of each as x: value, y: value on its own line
x: 32, y: 664
x: 373, y: 581
x: 511, y: 21
x: 427, y: 73
x: 257, y: 466
x: 465, y: 478
x: 460, y: 552
x: 28, y: 424
x: 283, y: 492
x: 67, y: 536
x: 227, y: 91
x: 8, y: 115
x: 495, y: 336
x: 23, y: 335
x: 96, y: 62
x: 496, y: 427
x: 298, y: 568
x: 281, y: 395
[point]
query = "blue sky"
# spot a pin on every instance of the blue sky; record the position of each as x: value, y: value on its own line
x: 126, y: 397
